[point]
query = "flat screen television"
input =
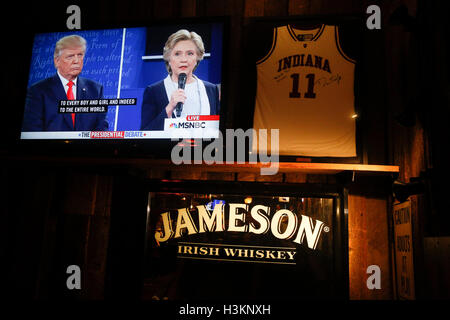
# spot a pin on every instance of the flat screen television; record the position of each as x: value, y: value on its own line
x: 111, y: 106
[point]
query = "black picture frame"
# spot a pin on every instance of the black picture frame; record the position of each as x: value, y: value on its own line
x: 337, y: 193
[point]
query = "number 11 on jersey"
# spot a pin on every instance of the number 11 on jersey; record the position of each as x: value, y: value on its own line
x: 296, y: 83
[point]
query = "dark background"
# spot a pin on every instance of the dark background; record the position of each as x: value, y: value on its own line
x: 78, y: 207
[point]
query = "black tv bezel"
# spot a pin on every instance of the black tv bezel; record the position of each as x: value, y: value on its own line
x: 130, y: 147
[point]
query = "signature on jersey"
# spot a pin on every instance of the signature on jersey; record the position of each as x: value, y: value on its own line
x: 322, y: 82
x: 326, y: 81
x: 280, y: 76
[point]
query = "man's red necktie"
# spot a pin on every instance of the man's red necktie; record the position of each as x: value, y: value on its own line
x: 71, y: 97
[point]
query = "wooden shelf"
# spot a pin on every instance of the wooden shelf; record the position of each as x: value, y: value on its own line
x: 283, y: 167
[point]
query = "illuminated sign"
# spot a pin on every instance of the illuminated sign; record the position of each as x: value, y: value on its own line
x: 283, y: 224
x: 212, y: 242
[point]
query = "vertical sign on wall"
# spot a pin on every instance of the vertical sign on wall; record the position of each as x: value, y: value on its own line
x: 404, y: 250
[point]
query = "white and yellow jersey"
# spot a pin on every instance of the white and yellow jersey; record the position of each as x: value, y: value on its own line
x: 305, y: 89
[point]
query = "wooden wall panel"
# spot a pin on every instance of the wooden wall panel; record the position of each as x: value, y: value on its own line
x: 254, y: 8
x: 217, y: 8
x: 163, y: 9
x: 317, y: 7
x: 296, y: 177
x: 246, y: 176
x: 102, y: 205
x: 157, y: 174
x: 96, y: 257
x: 71, y: 250
x: 188, y: 175
x: 142, y: 10
x: 406, y: 144
x: 277, y: 8
x: 299, y: 7
x: 188, y: 8
x: 223, y: 176
x: 98, y: 239
x: 316, y: 178
x: 26, y: 200
x: 411, y: 61
x: 81, y: 237
x: 49, y: 229
x: 437, y: 263
x: 80, y: 193
x: 368, y: 245
x: 270, y: 178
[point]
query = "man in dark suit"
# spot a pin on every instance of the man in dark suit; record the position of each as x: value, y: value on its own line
x: 43, y: 97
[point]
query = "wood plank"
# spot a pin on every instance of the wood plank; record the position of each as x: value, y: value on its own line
x: 314, y: 168
x: 246, y: 176
x: 357, y: 247
x: 301, y: 167
x: 437, y: 264
x: 316, y: 178
x: 316, y: 7
x: 299, y: 7
x: 296, y: 178
x: 368, y: 245
x: 188, y: 8
x: 72, y: 251
x: 103, y: 196
x: 270, y: 178
x: 80, y: 193
x: 223, y: 176
x: 276, y: 8
x: 96, y: 256
x: 216, y: 8
x: 254, y: 8
x: 164, y: 9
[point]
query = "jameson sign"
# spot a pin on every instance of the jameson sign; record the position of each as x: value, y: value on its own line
x: 283, y: 224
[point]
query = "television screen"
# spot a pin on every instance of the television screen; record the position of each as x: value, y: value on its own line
x: 152, y: 82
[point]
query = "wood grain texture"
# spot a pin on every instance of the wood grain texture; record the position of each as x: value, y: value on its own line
x: 368, y: 245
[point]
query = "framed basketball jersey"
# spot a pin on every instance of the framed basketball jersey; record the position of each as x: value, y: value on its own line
x: 305, y: 88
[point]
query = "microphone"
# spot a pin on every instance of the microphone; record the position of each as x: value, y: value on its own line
x: 181, y: 84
